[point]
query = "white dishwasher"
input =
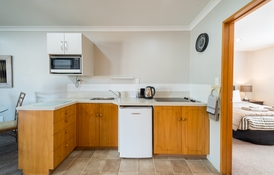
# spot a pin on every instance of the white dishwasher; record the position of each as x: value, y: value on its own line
x: 135, y: 131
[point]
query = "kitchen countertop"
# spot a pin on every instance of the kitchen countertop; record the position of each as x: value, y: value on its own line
x: 60, y: 103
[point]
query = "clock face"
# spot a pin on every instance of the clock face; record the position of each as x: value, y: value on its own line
x: 201, y: 42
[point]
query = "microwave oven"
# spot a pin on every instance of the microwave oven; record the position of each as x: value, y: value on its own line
x: 61, y: 64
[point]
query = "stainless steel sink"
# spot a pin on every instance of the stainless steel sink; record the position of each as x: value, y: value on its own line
x: 103, y: 98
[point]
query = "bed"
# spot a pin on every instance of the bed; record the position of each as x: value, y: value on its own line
x: 252, y: 122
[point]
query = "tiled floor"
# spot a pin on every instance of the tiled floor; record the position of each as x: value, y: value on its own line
x: 107, y: 162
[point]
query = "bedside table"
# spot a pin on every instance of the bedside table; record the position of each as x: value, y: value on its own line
x: 259, y: 102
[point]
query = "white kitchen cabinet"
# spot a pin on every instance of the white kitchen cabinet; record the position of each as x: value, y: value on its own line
x: 64, y: 43
x: 72, y: 44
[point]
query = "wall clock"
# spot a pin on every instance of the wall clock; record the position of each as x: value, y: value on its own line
x: 201, y: 42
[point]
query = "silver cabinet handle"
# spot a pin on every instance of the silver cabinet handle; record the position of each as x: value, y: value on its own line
x: 61, y: 44
x: 136, y: 113
x: 66, y: 45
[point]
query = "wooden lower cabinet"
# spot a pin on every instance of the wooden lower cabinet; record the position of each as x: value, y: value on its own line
x: 181, y: 130
x: 167, y: 130
x: 45, y: 138
x: 97, y: 125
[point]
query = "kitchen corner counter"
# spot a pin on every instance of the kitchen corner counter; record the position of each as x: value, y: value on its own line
x: 48, y: 105
x: 60, y: 103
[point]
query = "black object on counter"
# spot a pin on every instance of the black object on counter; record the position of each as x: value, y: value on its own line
x: 142, y: 93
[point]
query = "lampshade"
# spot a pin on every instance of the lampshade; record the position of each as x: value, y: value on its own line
x: 246, y: 88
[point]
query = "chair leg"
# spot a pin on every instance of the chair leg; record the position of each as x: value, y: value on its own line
x: 16, y: 135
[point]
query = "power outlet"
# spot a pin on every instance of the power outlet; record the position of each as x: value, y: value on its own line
x: 137, y: 81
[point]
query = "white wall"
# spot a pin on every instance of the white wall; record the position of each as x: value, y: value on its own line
x: 153, y: 57
x: 243, y: 71
x: 243, y: 68
x: 205, y: 66
x: 263, y: 74
x: 256, y: 68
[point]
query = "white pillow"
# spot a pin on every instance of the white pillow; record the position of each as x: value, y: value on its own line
x: 236, y: 96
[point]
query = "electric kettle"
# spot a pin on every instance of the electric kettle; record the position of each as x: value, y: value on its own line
x: 149, y: 92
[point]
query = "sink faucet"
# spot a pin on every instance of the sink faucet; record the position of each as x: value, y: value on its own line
x: 119, y: 93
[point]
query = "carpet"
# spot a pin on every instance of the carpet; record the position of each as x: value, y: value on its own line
x: 252, y: 159
x: 8, y: 156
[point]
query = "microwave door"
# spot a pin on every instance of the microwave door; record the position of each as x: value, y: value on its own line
x: 63, y: 65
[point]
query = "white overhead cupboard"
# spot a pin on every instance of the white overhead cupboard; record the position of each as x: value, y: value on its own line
x: 62, y: 44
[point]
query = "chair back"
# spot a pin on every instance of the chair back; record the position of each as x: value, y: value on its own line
x: 19, y: 103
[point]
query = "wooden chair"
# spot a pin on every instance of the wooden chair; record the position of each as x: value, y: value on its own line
x: 11, y: 125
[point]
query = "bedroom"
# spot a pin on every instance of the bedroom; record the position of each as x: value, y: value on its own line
x: 253, y: 66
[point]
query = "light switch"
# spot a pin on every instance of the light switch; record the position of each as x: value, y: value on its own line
x: 137, y: 81
x: 216, y: 81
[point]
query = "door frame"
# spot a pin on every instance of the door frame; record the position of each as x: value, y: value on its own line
x: 227, y: 83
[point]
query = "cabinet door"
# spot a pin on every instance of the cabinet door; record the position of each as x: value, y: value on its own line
x: 108, y: 125
x: 64, y: 43
x: 167, y: 130
x: 55, y: 43
x: 73, y: 43
x: 195, y: 130
x: 88, y: 124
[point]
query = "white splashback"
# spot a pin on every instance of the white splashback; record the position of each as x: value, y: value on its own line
x: 200, y: 92
x: 127, y: 90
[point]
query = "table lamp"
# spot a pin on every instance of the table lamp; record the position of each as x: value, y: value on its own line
x: 246, y: 88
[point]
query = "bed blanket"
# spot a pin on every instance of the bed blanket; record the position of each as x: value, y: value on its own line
x: 253, y: 120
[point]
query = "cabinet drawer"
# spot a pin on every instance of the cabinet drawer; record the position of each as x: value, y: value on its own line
x: 63, y: 135
x: 64, y: 112
x: 63, y: 151
x: 63, y: 123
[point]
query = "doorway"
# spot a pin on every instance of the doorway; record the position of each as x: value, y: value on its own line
x: 227, y: 83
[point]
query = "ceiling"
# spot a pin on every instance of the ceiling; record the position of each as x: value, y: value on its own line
x: 103, y: 13
x: 130, y: 15
x: 256, y: 31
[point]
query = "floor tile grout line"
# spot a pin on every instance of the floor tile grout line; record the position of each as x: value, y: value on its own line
x: 87, y: 163
x: 171, y: 166
x: 154, y: 165
x: 74, y: 158
x: 202, y: 163
x: 189, y: 167
x: 105, y: 159
x: 206, y: 167
x: 137, y: 166
x: 103, y: 166
x: 120, y: 164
